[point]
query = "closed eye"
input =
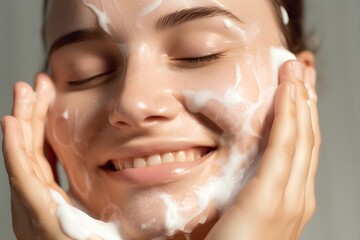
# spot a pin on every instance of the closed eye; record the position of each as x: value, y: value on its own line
x: 96, y: 79
x: 200, y: 60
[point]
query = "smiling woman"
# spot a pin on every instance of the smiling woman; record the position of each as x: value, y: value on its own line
x: 172, y: 120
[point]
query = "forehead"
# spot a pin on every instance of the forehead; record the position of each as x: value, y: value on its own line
x: 65, y: 16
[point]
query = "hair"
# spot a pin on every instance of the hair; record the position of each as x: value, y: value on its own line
x: 293, y: 31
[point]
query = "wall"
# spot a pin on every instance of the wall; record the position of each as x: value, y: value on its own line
x: 336, y: 24
x: 20, y: 58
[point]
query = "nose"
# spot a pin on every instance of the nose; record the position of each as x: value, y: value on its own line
x: 143, y: 100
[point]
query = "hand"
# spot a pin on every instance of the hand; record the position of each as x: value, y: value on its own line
x: 30, y: 175
x: 279, y: 200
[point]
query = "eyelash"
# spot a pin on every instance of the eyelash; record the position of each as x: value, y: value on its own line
x: 96, y: 77
x: 203, y: 59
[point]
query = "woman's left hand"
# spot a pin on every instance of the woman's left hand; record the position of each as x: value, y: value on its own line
x: 279, y: 200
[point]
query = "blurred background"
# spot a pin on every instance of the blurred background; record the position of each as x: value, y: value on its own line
x: 333, y: 25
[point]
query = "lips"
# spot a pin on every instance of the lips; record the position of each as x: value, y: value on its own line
x: 157, y: 168
x: 182, y: 156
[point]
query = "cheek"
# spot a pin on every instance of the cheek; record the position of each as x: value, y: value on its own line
x: 74, y: 121
x: 243, y: 91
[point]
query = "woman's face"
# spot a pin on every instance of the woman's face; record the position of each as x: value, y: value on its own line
x: 160, y: 106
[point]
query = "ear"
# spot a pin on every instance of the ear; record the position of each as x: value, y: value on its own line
x: 307, y: 58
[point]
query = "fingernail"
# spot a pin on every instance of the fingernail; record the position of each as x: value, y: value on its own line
x: 292, y: 91
x: 297, y: 70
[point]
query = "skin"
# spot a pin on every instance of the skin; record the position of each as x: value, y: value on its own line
x: 279, y: 199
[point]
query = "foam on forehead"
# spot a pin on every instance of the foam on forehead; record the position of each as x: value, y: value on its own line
x: 103, y: 19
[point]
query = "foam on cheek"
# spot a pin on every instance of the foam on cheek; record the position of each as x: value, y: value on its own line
x: 68, y: 131
x: 239, y: 167
x: 79, y: 225
x: 278, y: 57
x: 223, y: 188
x: 195, y: 101
x: 103, y: 19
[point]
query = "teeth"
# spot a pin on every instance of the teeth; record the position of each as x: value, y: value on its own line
x: 180, y: 157
x: 128, y: 163
x: 190, y: 156
x: 154, y: 160
x: 168, y: 158
x: 139, y: 163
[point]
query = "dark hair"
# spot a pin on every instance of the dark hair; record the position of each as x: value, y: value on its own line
x: 293, y: 31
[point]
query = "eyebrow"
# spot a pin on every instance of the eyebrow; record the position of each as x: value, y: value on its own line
x: 190, y: 14
x: 81, y: 35
x: 166, y: 21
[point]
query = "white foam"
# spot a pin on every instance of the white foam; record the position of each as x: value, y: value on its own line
x: 284, y: 15
x: 79, y: 225
x: 65, y: 114
x: 151, y: 8
x: 103, y: 19
x: 228, y: 23
x: 218, y: 3
x: 278, y: 57
x: 174, y: 221
x: 147, y: 10
x: 226, y: 186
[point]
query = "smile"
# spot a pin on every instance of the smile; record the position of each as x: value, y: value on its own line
x: 158, y: 168
x: 190, y: 155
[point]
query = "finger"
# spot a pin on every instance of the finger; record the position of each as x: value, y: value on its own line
x: 315, y: 126
x: 15, y: 155
x: 275, y: 166
x: 24, y: 98
x: 305, y: 138
x: 22, y: 110
x: 44, y: 95
x: 22, y: 177
x: 29, y: 193
x: 310, y: 184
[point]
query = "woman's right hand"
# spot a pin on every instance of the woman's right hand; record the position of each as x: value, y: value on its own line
x: 30, y: 175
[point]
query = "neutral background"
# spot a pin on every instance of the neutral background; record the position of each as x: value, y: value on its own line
x: 334, y: 24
